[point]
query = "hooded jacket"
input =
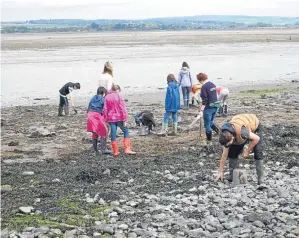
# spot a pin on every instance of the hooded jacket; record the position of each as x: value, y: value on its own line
x: 172, y: 99
x: 96, y: 104
x: 114, y: 108
x: 184, y: 78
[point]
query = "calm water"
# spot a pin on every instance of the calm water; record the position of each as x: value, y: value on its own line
x: 29, y: 74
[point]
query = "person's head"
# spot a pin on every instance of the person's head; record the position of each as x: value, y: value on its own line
x: 101, y: 91
x: 226, y: 138
x: 171, y: 78
x: 108, y: 68
x: 185, y: 65
x: 115, y: 88
x: 77, y: 86
x: 201, y: 77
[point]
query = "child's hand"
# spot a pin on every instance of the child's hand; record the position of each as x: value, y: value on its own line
x: 125, y: 124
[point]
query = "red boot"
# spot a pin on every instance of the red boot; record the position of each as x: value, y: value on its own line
x: 127, y: 145
x: 114, y: 146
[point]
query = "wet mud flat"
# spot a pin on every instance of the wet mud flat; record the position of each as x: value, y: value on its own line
x: 167, y: 190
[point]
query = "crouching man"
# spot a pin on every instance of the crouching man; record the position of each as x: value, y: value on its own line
x: 234, y: 135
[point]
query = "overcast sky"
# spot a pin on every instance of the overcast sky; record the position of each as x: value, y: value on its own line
x: 140, y: 9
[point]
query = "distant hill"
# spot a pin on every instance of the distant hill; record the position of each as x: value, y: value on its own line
x: 167, y: 23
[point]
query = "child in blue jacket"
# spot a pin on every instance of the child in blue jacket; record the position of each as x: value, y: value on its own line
x: 172, y: 104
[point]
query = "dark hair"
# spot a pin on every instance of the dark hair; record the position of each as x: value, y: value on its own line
x: 201, y: 77
x: 115, y: 87
x: 101, y: 91
x: 225, y: 137
x: 170, y: 78
x: 77, y: 85
x: 185, y: 65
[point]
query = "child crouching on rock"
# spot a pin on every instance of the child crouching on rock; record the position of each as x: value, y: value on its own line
x: 172, y: 105
x: 115, y: 113
x: 96, y: 123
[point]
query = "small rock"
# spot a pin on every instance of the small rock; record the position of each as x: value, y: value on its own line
x: 97, y: 234
x: 259, y: 224
x: 131, y: 181
x: 166, y: 172
x: 113, y: 214
x: 13, y: 143
x: 114, y: 203
x: 107, y: 172
x: 83, y: 236
x: 181, y: 174
x: 70, y: 234
x: 118, y: 210
x: 26, y: 235
x: 6, y: 188
x: 194, y: 189
x: 105, y: 228
x: 161, y: 216
x: 26, y: 210
x: 28, y: 173
x: 259, y: 235
x: 123, y: 227
x: 132, y: 235
x: 41, y: 230
x: 57, y: 180
x: 56, y: 231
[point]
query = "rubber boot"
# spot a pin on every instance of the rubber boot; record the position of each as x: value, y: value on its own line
x: 232, y: 164
x: 259, y: 171
x: 104, y: 149
x: 164, y: 129
x: 174, y: 129
x: 95, y: 146
x: 216, y: 129
x: 127, y: 146
x: 66, y: 110
x: 209, y: 136
x: 60, y: 110
x: 114, y: 146
x: 225, y: 110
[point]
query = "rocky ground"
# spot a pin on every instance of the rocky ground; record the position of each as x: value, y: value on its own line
x: 56, y: 187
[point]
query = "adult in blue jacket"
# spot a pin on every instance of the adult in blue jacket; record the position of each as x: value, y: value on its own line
x: 172, y: 104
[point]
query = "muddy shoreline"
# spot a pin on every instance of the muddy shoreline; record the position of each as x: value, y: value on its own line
x: 166, y: 190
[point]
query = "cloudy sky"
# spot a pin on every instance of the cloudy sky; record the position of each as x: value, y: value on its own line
x: 140, y: 9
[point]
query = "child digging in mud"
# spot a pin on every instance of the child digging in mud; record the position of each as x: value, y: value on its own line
x: 96, y: 123
x: 172, y: 105
x: 65, y: 92
x: 115, y: 113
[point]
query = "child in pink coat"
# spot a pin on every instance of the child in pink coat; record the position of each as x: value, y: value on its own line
x: 115, y: 113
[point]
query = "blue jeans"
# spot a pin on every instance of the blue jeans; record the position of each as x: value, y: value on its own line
x: 186, y: 93
x: 208, y: 117
x: 174, y: 116
x: 113, y: 127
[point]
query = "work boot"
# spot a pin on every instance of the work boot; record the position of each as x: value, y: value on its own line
x: 95, y: 146
x: 232, y: 164
x: 127, y: 145
x: 104, y: 149
x: 60, y: 110
x: 216, y: 129
x: 259, y: 171
x: 114, y: 146
x: 66, y: 110
x: 225, y: 110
